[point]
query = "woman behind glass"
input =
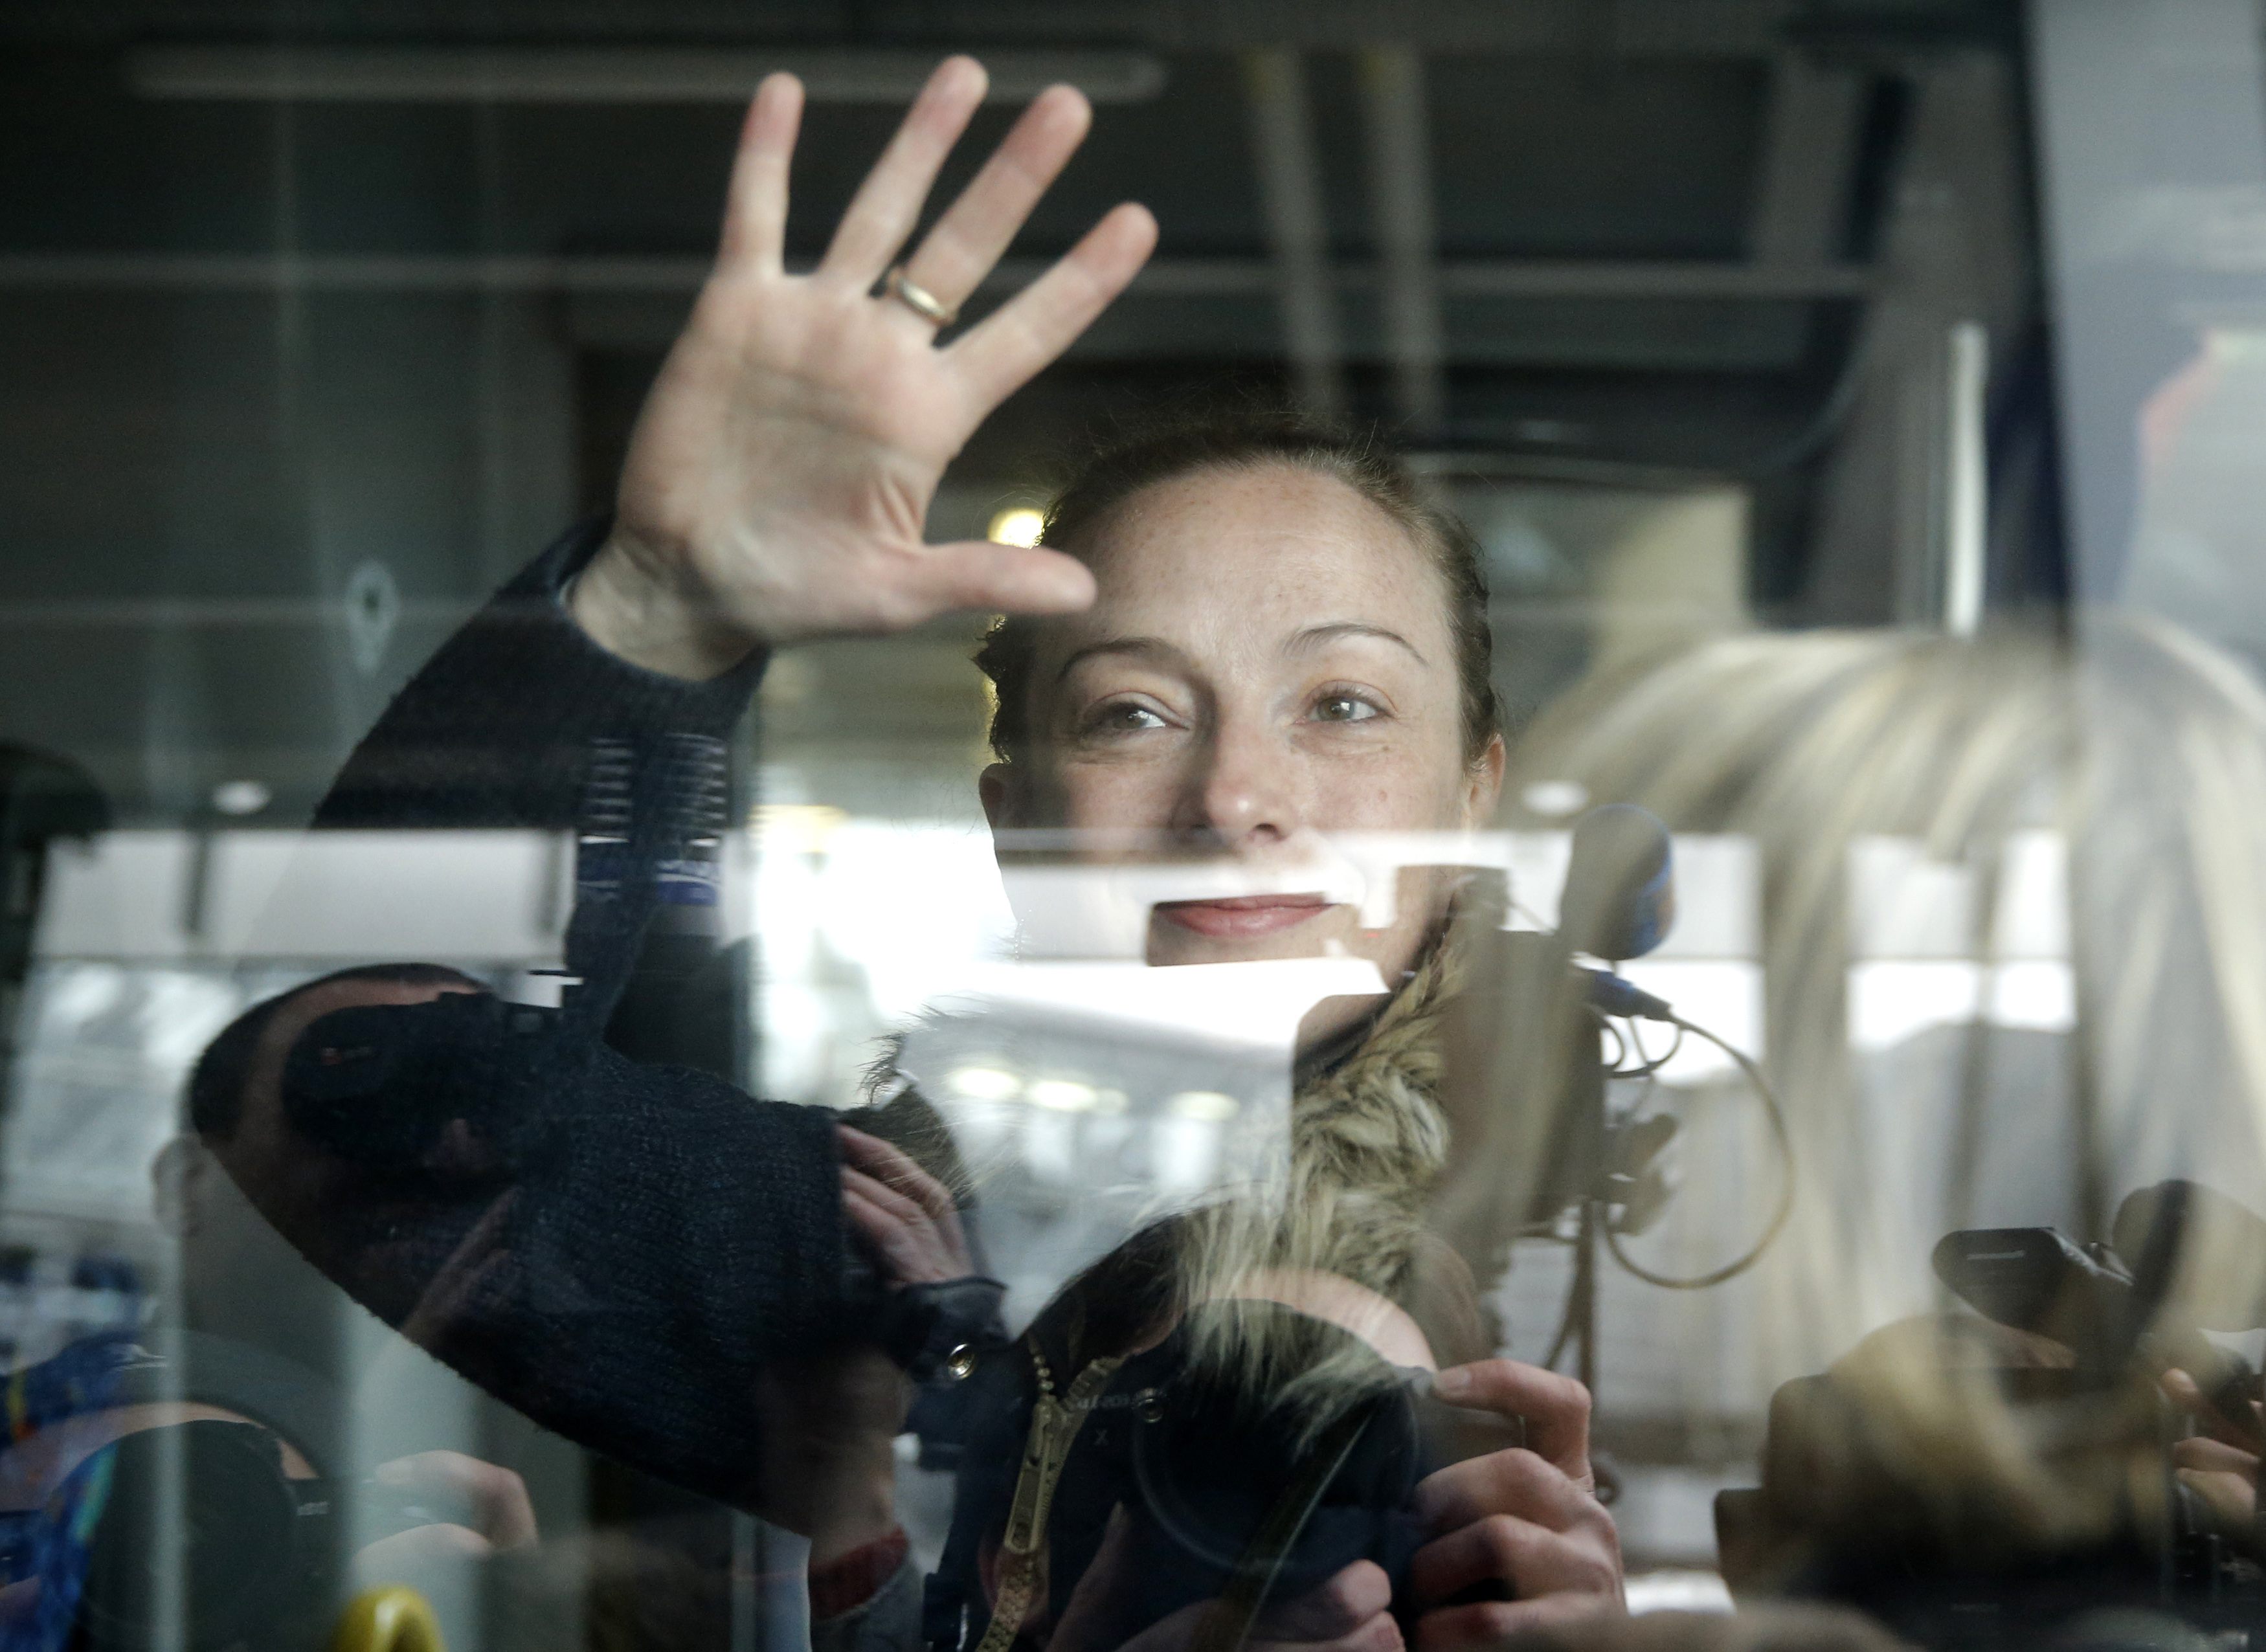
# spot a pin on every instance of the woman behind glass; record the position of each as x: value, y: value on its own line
x: 1232, y: 641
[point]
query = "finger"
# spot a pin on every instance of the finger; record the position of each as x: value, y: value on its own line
x: 2232, y: 1498
x: 2187, y: 1393
x: 410, y: 1555
x: 1489, y: 1623
x: 1530, y: 1559
x: 894, y: 1167
x: 1513, y: 1482
x: 1000, y: 353
x: 754, y: 202
x: 1344, y: 1603
x: 956, y: 255
x: 460, y: 1153
x: 498, y: 1499
x: 887, y: 204
x: 473, y: 1274
x: 1556, y: 1407
x: 1001, y: 578
x: 900, y: 1209
x: 939, y: 1240
x: 905, y: 1257
x: 873, y: 1212
x: 2216, y: 1455
x: 439, y: 1313
x: 484, y: 1237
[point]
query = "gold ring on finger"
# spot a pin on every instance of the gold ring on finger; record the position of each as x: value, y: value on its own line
x: 917, y: 298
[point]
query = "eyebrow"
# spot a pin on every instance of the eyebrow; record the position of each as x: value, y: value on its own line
x: 1151, y: 646
x: 1312, y: 637
x: 1315, y: 636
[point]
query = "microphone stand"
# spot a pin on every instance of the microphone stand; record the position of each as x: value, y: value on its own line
x: 1589, y: 1237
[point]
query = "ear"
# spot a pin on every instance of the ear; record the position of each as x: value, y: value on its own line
x: 176, y: 1183
x: 998, y: 788
x: 1483, y: 783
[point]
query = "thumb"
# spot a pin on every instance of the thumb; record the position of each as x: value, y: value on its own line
x: 1005, y: 579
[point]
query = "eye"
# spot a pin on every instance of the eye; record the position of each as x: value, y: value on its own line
x: 1123, y: 717
x: 1344, y: 708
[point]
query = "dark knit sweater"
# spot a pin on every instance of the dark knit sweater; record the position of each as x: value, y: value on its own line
x: 667, y: 1236
x: 495, y: 729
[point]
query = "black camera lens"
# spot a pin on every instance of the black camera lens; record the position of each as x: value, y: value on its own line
x: 1297, y: 1476
x: 198, y: 1517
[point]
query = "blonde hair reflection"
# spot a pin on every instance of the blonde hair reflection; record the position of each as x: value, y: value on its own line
x: 1367, y: 1146
x: 2145, y: 750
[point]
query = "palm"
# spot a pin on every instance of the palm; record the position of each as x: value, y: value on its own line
x: 781, y: 472
x: 795, y: 412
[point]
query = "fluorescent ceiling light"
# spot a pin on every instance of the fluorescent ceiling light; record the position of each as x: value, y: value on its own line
x: 583, y: 73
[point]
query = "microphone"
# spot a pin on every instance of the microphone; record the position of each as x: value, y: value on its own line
x: 1620, y: 898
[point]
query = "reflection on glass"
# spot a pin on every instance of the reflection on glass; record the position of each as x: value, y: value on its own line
x: 1500, y: 869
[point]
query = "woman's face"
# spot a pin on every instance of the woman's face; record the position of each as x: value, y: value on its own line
x: 1269, y: 659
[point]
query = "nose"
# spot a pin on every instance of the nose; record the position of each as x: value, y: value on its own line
x: 1245, y: 790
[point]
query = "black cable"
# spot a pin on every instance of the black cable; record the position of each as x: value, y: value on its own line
x: 1777, y: 1119
x: 1833, y: 412
x: 1565, y: 1321
x: 1620, y: 1046
x: 1652, y: 1065
x: 1636, y: 1041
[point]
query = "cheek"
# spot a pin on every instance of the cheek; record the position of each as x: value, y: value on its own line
x: 1114, y: 794
x: 1403, y: 789
x: 1066, y: 792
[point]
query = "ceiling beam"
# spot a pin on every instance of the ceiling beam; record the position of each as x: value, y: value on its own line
x: 1718, y: 28
x: 1703, y: 28
x: 1165, y: 277
x: 1399, y: 145
x: 1297, y: 230
x: 608, y: 74
x: 1810, y: 155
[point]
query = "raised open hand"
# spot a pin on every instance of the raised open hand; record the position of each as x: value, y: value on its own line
x: 779, y: 478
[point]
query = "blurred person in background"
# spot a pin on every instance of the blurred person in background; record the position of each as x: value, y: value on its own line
x: 248, y: 1342
x: 1947, y: 1464
x: 243, y: 1287
x: 437, y: 1247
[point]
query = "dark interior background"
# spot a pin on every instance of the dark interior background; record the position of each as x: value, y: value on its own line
x: 287, y: 383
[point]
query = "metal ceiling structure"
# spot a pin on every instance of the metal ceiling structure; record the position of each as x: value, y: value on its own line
x: 359, y: 258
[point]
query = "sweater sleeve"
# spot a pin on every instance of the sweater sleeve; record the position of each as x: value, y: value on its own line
x: 495, y: 730
x: 665, y: 1239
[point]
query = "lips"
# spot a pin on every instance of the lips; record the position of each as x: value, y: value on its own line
x: 1244, y: 915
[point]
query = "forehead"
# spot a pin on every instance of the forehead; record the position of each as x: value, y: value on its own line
x: 1273, y: 542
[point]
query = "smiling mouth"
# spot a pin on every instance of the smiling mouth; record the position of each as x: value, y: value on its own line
x: 1244, y: 915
